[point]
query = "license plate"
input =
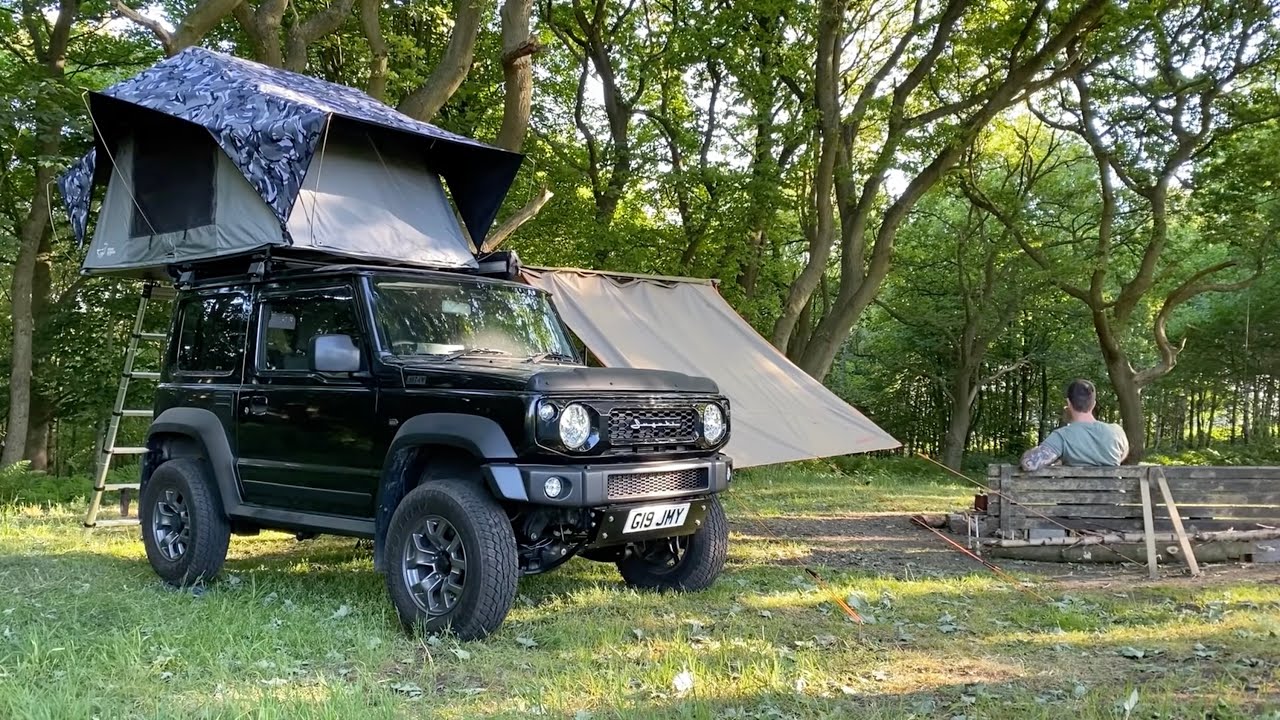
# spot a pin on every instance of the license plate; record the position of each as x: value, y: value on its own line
x: 656, y: 517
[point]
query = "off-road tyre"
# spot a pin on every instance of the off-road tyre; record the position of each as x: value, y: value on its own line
x: 489, y: 551
x: 182, y: 490
x: 698, y: 565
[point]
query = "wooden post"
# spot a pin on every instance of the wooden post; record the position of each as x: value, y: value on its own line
x: 1176, y: 518
x: 1148, y: 523
x: 1006, y: 508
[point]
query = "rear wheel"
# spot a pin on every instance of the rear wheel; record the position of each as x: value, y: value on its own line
x: 453, y: 560
x: 184, y: 529
x: 688, y: 562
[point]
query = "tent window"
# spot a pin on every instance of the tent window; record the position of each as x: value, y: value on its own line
x: 212, y: 337
x: 173, y: 182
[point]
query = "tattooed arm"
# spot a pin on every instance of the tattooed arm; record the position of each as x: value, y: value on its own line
x: 1044, y: 454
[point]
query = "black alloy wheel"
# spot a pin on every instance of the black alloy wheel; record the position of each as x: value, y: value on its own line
x: 184, y: 529
x: 171, y: 525
x: 458, y: 566
x: 684, y: 563
x: 435, y: 565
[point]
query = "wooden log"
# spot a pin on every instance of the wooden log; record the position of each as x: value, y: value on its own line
x: 1193, y: 525
x: 1208, y: 552
x: 1162, y: 537
x: 1133, y: 510
x: 931, y: 520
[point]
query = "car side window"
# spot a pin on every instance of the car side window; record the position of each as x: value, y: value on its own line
x: 289, y: 323
x: 211, y: 341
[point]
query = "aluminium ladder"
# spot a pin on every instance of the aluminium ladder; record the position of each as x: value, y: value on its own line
x: 109, y: 450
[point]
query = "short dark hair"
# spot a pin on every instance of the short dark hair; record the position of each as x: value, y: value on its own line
x: 1082, y: 395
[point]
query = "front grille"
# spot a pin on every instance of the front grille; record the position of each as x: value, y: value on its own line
x: 653, y: 426
x: 657, y: 483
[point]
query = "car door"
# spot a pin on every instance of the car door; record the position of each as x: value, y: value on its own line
x: 307, y: 438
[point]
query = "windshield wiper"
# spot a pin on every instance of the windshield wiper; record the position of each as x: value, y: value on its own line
x: 472, y: 351
x: 557, y: 356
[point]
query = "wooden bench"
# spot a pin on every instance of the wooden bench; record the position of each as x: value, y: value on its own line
x: 1093, y: 500
x: 1074, y: 506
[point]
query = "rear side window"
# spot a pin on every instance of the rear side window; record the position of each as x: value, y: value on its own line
x: 211, y: 341
x: 290, y: 323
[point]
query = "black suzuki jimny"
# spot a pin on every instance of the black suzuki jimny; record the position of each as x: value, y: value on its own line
x: 446, y: 416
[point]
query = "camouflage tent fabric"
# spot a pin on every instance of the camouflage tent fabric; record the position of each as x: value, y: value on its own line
x: 270, y: 122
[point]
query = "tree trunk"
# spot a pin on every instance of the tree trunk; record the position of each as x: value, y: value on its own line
x: 518, y: 47
x: 32, y: 233
x: 37, y: 445
x: 1129, y: 400
x: 960, y: 417
x: 21, y: 291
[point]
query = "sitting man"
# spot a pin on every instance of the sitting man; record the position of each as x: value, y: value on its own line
x: 1083, y: 441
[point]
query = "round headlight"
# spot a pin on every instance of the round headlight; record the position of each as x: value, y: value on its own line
x: 575, y: 426
x: 547, y: 411
x: 712, y: 423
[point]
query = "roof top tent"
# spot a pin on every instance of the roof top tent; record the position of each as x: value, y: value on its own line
x: 207, y: 157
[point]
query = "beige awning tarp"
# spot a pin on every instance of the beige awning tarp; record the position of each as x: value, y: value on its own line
x: 778, y: 412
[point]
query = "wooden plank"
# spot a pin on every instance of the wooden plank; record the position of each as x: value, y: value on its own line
x: 1129, y: 471
x: 1074, y: 498
x: 1247, y: 486
x: 1172, y: 507
x: 993, y: 471
x: 1231, y: 472
x: 1148, y: 526
x: 1065, y: 484
x: 1199, y: 497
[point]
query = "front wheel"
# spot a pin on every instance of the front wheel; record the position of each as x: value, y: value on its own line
x: 453, y: 561
x: 684, y: 563
x: 184, y: 529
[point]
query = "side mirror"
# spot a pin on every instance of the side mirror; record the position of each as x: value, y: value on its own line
x: 334, y: 354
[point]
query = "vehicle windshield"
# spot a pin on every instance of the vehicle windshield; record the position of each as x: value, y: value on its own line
x: 447, y: 320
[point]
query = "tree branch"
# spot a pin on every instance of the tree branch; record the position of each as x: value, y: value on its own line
x: 1184, y: 292
x: 155, y: 26
x: 426, y: 101
x: 313, y: 28
x: 513, y: 223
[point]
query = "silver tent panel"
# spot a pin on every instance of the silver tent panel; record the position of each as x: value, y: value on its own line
x: 779, y: 413
x: 130, y: 234
x: 364, y: 204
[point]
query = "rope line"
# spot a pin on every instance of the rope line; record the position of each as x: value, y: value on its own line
x: 835, y: 597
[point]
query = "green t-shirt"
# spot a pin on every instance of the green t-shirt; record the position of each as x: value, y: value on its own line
x: 1088, y: 444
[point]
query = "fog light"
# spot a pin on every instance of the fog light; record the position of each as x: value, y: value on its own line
x: 553, y: 487
x: 547, y: 412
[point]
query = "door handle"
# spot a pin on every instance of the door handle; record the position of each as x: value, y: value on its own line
x: 257, y: 405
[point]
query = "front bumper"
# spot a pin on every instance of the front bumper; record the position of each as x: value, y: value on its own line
x: 610, y: 484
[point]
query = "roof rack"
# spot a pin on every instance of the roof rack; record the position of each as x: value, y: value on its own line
x: 502, y: 265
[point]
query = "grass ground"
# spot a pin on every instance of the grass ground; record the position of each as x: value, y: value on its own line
x: 304, y: 629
